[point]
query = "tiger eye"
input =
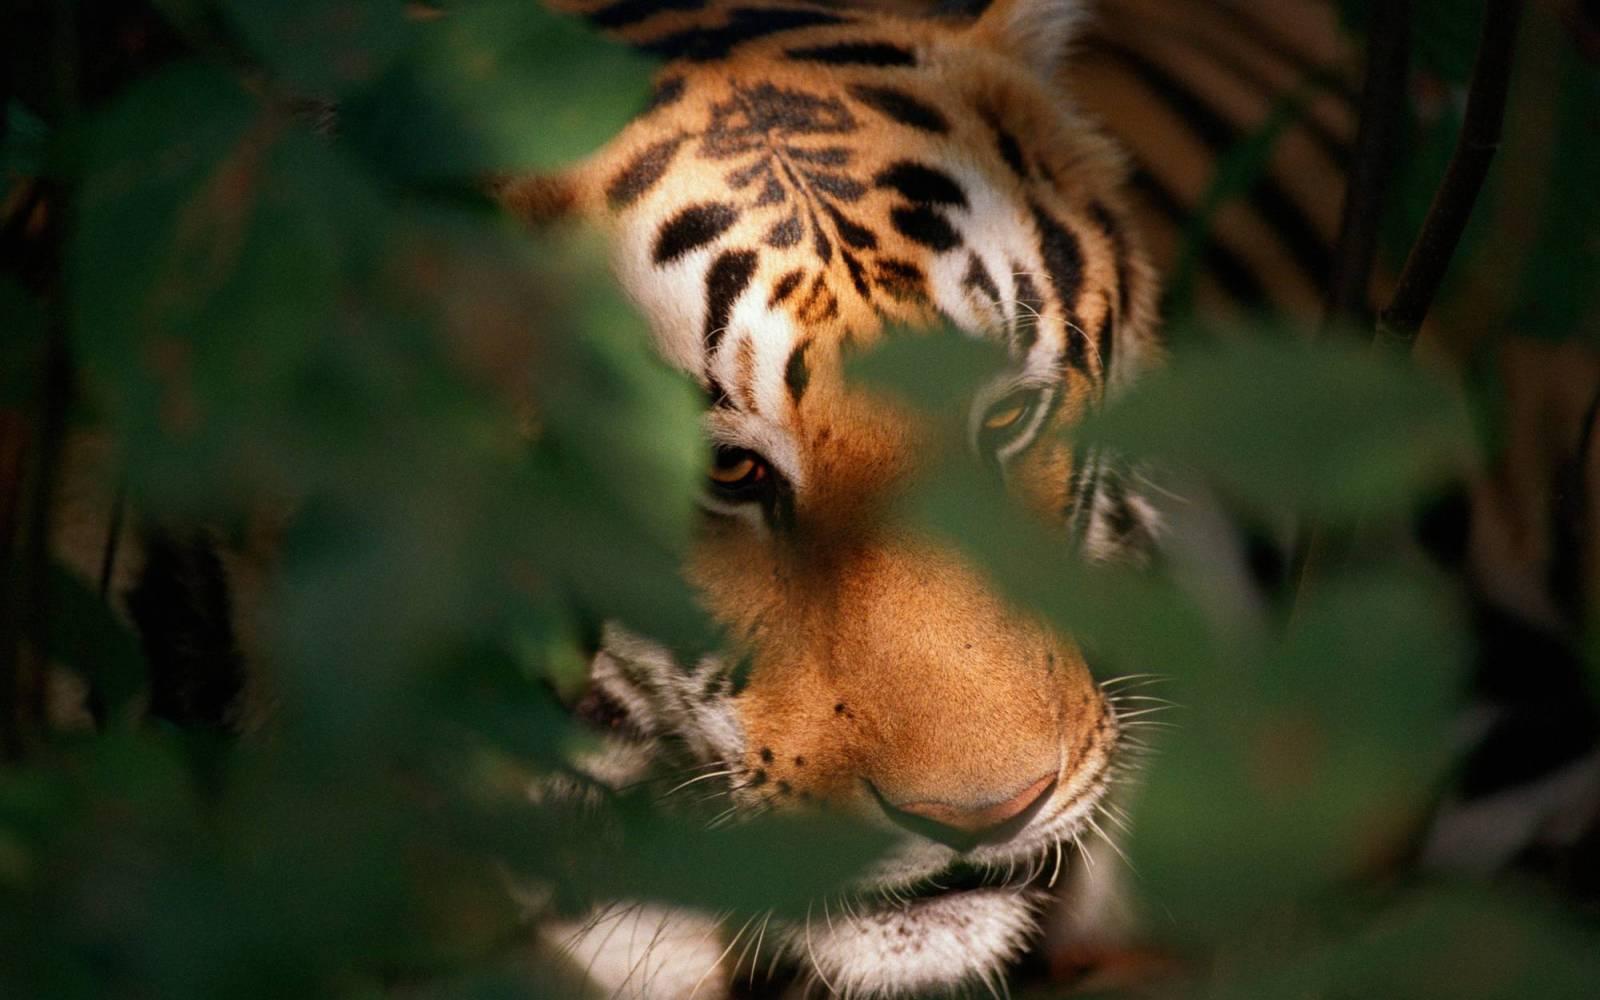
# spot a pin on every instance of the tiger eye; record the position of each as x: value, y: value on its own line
x: 1002, y: 419
x: 744, y: 468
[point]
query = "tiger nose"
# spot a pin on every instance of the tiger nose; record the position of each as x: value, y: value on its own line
x: 965, y: 825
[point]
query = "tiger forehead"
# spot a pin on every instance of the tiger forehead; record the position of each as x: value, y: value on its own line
x: 814, y: 189
x: 839, y: 186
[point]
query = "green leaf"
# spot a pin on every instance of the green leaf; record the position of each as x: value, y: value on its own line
x: 21, y: 346
x: 1464, y: 943
x: 1332, y: 431
x: 324, y: 47
x: 498, y: 85
x: 935, y: 371
x: 86, y: 635
x: 1303, y: 762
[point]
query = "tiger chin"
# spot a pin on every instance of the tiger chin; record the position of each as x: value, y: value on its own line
x: 805, y: 179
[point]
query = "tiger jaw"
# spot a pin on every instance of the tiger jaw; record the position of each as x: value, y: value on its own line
x: 927, y: 917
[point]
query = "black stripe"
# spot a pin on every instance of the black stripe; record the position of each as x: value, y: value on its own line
x: 636, y: 179
x: 692, y: 228
x: 921, y: 184
x: 1230, y: 271
x: 745, y: 24
x: 795, y: 373
x: 978, y: 277
x: 902, y: 107
x: 1305, y: 246
x: 785, y: 286
x: 926, y: 226
x: 1010, y: 150
x: 1063, y: 261
x: 785, y: 233
x: 858, y: 274
x: 827, y: 156
x: 856, y: 54
x: 819, y: 239
x: 1119, y: 516
x: 726, y: 280
x: 835, y: 185
x: 851, y: 232
x: 665, y: 93
x: 625, y: 12
x: 903, y: 280
x: 1105, y: 337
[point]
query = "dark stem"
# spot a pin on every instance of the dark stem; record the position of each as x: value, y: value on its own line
x: 1383, y: 112
x: 1457, y: 194
x: 1348, y: 302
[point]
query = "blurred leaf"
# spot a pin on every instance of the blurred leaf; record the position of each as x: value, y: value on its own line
x: 498, y: 85
x: 87, y: 636
x: 1559, y: 293
x: 1459, y: 943
x: 938, y: 372
x: 21, y: 345
x: 1331, y: 431
x: 22, y: 152
x: 324, y: 47
x: 1444, y: 34
x: 631, y: 850
x: 1303, y: 763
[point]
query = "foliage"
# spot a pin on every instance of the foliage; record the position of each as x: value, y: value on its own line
x: 478, y: 461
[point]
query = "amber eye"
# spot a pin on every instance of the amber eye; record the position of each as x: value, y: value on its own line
x: 738, y: 473
x: 1004, y: 415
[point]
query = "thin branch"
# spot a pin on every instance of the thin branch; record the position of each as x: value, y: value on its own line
x: 1348, y: 301
x: 1382, y: 113
x: 1452, y: 206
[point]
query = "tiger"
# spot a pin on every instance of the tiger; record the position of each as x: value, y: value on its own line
x: 805, y: 179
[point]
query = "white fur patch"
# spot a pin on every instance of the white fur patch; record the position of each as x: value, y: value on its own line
x: 932, y: 944
x: 646, y: 952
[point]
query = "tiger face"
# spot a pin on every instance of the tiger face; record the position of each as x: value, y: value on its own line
x: 805, y: 179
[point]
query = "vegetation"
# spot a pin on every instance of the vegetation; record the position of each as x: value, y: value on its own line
x: 244, y: 243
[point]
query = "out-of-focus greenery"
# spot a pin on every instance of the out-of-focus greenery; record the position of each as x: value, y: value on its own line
x: 478, y: 460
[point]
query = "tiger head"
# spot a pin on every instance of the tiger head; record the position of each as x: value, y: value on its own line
x: 805, y: 178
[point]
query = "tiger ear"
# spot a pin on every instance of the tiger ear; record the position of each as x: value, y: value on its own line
x: 537, y: 199
x: 1037, y: 32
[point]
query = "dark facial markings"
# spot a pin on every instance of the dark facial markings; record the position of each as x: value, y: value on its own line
x: 745, y: 24
x: 785, y: 287
x: 796, y: 375
x: 647, y: 167
x: 762, y: 128
x: 980, y: 280
x: 926, y: 188
x: 623, y: 13
x: 692, y: 228
x: 1063, y: 262
x: 727, y: 279
x: 901, y: 280
x: 902, y: 107
x: 921, y: 184
x: 665, y: 94
x: 924, y: 225
x: 855, y: 54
